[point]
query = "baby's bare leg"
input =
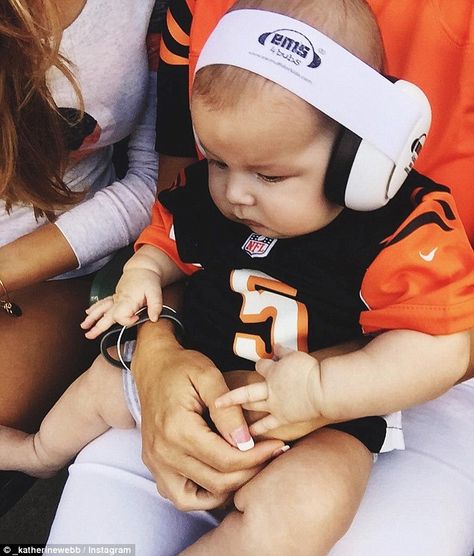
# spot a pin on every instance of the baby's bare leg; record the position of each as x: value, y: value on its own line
x: 300, y: 504
x: 91, y: 405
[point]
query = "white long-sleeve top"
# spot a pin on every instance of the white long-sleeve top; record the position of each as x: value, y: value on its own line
x: 106, y: 46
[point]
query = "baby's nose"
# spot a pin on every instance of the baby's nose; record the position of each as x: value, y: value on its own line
x: 238, y: 191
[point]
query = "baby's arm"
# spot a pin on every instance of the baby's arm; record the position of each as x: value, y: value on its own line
x: 397, y: 369
x: 144, y: 276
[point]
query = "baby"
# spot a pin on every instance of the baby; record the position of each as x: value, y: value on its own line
x: 290, y: 245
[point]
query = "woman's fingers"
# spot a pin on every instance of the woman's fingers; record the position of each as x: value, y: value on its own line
x: 231, y: 424
x: 205, y: 458
x: 220, y: 484
x: 185, y: 494
x: 227, y: 458
x: 229, y: 421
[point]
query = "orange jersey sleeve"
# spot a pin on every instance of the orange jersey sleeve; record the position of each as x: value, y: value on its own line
x: 423, y: 279
x: 160, y: 234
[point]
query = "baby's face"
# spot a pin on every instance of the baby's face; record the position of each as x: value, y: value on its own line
x: 267, y: 161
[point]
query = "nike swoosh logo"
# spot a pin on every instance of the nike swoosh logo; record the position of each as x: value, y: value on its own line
x: 429, y: 256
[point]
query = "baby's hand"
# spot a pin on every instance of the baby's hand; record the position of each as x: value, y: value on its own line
x: 288, y: 394
x: 136, y: 288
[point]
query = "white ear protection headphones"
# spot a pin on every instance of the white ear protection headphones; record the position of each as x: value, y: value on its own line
x: 362, y: 177
x: 384, y: 122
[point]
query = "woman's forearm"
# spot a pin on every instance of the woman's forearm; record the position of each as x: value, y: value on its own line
x: 35, y: 257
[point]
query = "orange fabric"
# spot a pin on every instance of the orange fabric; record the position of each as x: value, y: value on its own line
x: 167, y: 56
x: 205, y: 17
x: 160, y: 234
x: 175, y: 30
x: 424, y: 278
x: 191, y: 4
x: 430, y: 43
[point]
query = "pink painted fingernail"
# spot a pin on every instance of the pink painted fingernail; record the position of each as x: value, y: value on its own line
x: 242, y: 438
x: 280, y: 451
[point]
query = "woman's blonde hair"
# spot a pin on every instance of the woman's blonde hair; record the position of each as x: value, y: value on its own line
x: 33, y: 152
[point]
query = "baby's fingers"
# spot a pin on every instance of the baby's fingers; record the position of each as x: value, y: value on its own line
x: 101, y: 326
x: 245, y: 394
x: 154, y: 303
x: 124, y: 311
x: 97, y: 311
x: 280, y: 351
x: 104, y: 304
x: 267, y: 423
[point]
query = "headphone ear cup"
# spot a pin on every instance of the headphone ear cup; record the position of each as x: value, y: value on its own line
x: 344, y: 152
x: 360, y: 176
x: 369, y: 180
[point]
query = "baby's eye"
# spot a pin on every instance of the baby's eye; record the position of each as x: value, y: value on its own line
x: 217, y: 164
x: 270, y: 179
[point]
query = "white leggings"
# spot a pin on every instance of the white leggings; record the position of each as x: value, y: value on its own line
x: 418, y: 502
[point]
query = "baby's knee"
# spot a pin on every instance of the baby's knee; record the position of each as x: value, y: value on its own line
x: 99, y: 376
x: 104, y: 385
x: 293, y: 519
x: 99, y: 380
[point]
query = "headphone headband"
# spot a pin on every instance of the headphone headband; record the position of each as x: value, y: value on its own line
x: 317, y: 69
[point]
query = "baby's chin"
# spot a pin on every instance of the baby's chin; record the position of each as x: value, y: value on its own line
x: 261, y: 229
x: 256, y: 227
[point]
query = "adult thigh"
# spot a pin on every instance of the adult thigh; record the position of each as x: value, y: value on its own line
x: 42, y: 351
x: 303, y: 501
x: 420, y: 501
x: 111, y: 498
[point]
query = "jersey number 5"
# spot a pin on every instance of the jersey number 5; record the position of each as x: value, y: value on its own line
x: 265, y: 297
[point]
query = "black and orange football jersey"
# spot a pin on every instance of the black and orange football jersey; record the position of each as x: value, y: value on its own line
x: 407, y: 265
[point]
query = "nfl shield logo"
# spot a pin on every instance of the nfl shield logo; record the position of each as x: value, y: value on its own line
x: 258, y: 246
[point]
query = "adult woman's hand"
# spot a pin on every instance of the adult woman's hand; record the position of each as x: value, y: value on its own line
x: 193, y: 466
